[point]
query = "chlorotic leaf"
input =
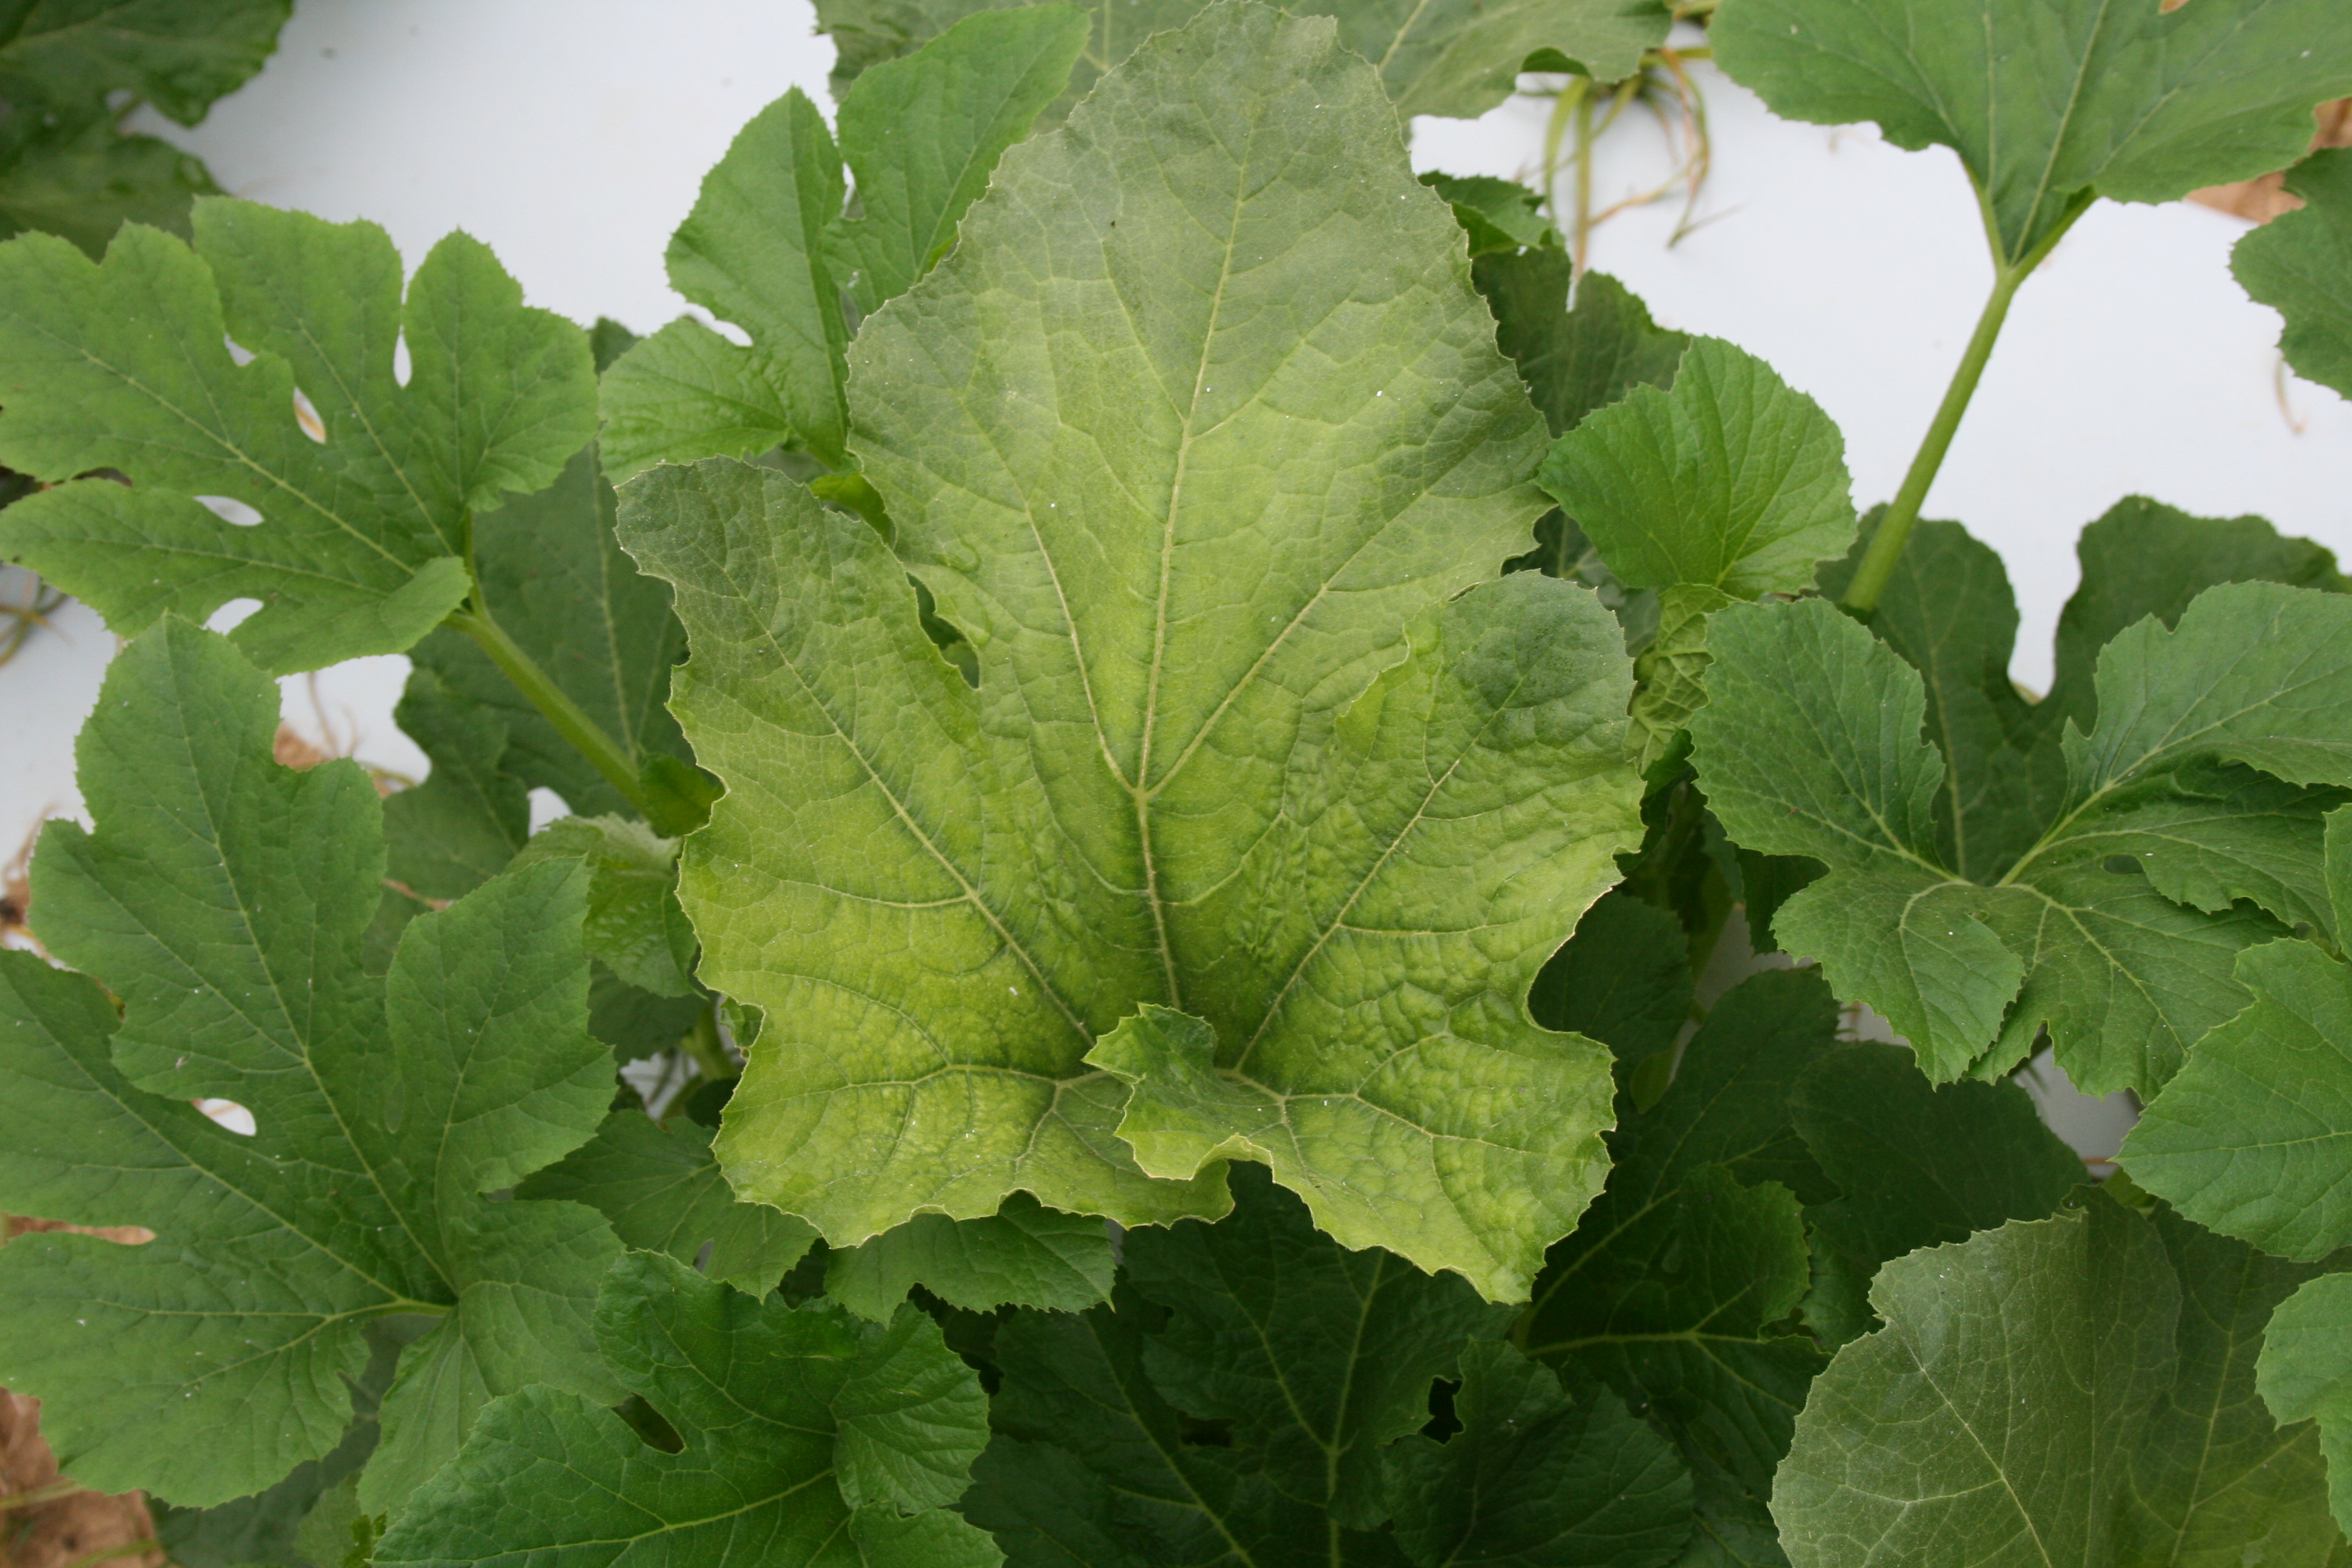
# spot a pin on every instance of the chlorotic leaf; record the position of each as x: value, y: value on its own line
x: 769, y: 248
x: 1676, y: 1286
x: 2306, y: 1374
x: 1024, y: 1255
x: 663, y: 1192
x: 2050, y: 105
x: 1532, y: 1478
x: 1295, y: 1363
x: 2078, y: 1389
x: 1451, y: 57
x: 2296, y: 265
x: 223, y: 899
x: 361, y: 536
x: 794, y: 1423
x: 1251, y: 807
x: 2253, y: 1137
x: 635, y: 927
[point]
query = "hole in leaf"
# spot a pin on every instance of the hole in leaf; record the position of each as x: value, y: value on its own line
x: 306, y: 415
x: 229, y: 508
x: 1196, y: 1433
x: 228, y: 1113
x: 231, y: 615
x: 1443, y: 1422
x: 2125, y: 865
x: 237, y: 352
x: 649, y: 1424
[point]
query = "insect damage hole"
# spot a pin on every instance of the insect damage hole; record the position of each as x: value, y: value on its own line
x: 229, y: 508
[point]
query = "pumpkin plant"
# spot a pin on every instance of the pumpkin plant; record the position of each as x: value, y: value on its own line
x: 1166, y: 725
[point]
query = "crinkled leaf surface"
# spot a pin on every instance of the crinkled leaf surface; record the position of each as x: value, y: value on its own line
x: 2117, y: 930
x: 1248, y: 1400
x: 662, y: 1191
x: 360, y: 545
x: 1453, y: 57
x: 1024, y: 1255
x: 223, y: 899
x: 1677, y: 1284
x: 1202, y: 496
x: 2306, y: 1374
x: 2051, y: 103
x: 768, y: 247
x: 808, y: 1436
x: 2075, y: 1389
x: 2298, y: 265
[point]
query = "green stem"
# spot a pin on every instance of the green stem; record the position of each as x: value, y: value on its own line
x: 1895, y: 530
x: 703, y: 1045
x: 583, y: 733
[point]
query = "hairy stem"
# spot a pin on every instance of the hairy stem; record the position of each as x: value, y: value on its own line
x: 585, y: 734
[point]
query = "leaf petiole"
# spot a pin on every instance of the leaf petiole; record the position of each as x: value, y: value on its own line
x: 1886, y: 545
x: 585, y: 734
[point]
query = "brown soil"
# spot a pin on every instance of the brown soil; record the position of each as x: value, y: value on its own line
x: 56, y: 1527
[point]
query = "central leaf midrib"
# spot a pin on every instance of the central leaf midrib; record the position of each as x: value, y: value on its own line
x: 1139, y: 787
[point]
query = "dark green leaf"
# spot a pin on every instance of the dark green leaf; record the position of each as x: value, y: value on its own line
x: 1675, y: 1286
x: 178, y: 55
x: 806, y: 1436
x: 635, y: 928
x: 224, y: 898
x: 1623, y: 979
x: 461, y: 827
x: 2078, y: 1389
x: 1024, y: 1255
x: 663, y: 1192
x: 1454, y: 58
x: 2050, y: 102
x: 1498, y: 215
x: 555, y: 582
x: 1233, y: 1407
x: 1532, y: 1480
x: 361, y: 536
x: 1574, y: 360
x: 2298, y: 264
x: 2306, y: 1374
x: 85, y: 182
